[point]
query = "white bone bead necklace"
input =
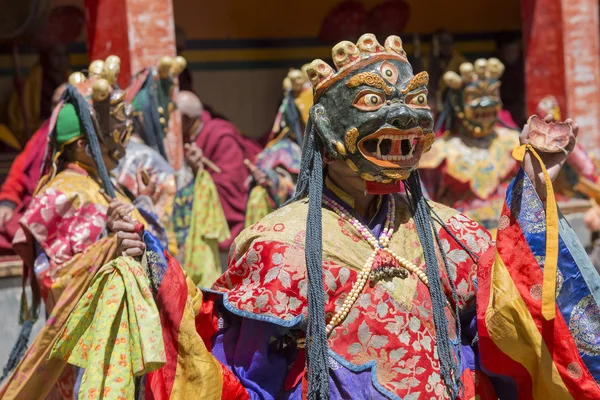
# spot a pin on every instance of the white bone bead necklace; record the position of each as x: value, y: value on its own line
x: 379, y: 245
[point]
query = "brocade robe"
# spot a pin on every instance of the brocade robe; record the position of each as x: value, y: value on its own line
x: 280, y: 161
x: 63, y: 242
x: 471, y: 175
x: 242, y: 338
x: 385, y: 346
x: 64, y: 218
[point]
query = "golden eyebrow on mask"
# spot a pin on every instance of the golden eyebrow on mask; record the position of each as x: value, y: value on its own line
x: 420, y: 79
x: 370, y: 79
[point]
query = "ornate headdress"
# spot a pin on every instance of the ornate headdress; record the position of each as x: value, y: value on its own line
x: 112, y: 111
x: 384, y: 89
x: 153, y: 103
x: 371, y: 113
x: 293, y: 112
x: 473, y: 98
x: 94, y: 108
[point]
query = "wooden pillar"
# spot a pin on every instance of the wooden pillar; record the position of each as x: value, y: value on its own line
x: 562, y: 59
x: 140, y: 32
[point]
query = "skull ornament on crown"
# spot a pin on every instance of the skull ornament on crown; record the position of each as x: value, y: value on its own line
x: 372, y: 113
x: 474, y: 95
x: 111, y: 114
x: 296, y: 80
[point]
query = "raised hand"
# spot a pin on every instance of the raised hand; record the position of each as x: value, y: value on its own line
x: 591, y: 218
x: 553, y: 161
x: 118, y: 221
x: 147, y: 182
x: 259, y: 176
x: 193, y: 156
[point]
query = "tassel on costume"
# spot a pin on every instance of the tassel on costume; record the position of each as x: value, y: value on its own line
x: 19, y: 349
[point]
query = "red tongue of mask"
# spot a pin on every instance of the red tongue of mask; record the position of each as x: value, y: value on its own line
x: 372, y: 187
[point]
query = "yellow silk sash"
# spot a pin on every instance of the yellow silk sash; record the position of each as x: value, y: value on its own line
x: 549, y: 284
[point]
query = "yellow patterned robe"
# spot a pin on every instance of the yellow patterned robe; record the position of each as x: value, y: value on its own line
x: 66, y: 216
x: 65, y: 220
x: 471, y: 174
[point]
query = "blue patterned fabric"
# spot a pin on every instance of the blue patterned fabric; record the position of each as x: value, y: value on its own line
x: 283, y: 154
x: 156, y: 261
x: 577, y: 282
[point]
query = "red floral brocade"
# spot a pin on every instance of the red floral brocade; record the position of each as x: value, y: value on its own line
x: 386, y: 330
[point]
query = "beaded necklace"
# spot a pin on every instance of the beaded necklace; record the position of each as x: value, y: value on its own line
x: 368, y: 272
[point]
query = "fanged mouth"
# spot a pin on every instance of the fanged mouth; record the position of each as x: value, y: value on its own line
x: 393, y: 148
x: 485, y: 116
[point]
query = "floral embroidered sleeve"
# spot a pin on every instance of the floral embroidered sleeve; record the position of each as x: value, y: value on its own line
x: 473, y: 239
x: 63, y: 226
x: 463, y: 266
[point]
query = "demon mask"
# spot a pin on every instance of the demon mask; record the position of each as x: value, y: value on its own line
x: 474, y: 95
x: 373, y: 111
x: 111, y: 114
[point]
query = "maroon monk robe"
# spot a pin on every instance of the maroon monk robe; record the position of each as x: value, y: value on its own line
x: 20, y: 184
x: 222, y: 143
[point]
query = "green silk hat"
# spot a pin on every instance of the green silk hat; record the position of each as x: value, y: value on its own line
x: 68, y: 126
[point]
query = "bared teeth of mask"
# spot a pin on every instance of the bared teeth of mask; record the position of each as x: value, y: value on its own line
x: 405, y: 147
x: 385, y: 146
x: 378, y: 148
